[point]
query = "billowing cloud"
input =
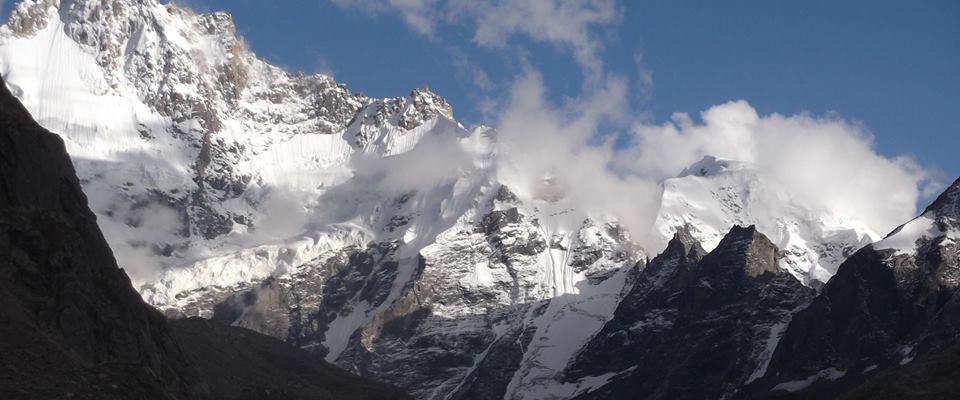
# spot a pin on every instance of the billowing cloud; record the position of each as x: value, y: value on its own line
x: 826, y: 162
x: 559, y: 151
x: 564, y: 151
x: 552, y: 152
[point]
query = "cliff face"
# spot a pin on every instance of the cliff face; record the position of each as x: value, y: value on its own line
x: 71, y: 323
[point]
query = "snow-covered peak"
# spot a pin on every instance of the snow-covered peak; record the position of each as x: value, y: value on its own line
x: 713, y: 195
x: 710, y: 165
x: 941, y: 219
x: 947, y: 205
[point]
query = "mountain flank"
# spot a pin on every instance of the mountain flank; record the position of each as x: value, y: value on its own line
x: 72, y: 326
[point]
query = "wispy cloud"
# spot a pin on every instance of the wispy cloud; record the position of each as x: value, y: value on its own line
x: 568, y: 24
x: 324, y: 67
x: 470, y: 71
x: 644, y: 76
x: 421, y: 15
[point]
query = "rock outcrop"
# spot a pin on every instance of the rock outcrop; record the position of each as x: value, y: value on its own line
x: 693, y: 325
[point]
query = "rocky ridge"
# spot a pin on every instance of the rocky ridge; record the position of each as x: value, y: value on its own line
x: 695, y: 324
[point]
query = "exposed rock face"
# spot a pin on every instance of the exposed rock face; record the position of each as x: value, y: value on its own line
x: 72, y: 326
x: 889, y: 303
x: 693, y: 325
x: 468, y: 316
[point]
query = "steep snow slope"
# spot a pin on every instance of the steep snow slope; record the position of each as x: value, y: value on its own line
x: 714, y: 194
x: 940, y: 220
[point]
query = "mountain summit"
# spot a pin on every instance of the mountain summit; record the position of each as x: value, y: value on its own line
x: 712, y: 195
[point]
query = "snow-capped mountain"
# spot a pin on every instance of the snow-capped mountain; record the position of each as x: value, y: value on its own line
x: 732, y: 324
x: 373, y: 231
x: 714, y: 194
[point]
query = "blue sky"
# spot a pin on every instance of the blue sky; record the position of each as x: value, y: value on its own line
x: 892, y: 65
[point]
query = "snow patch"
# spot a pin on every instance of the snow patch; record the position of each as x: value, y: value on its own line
x: 904, y: 239
x: 830, y: 374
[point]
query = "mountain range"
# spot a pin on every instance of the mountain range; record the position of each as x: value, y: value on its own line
x: 378, y: 235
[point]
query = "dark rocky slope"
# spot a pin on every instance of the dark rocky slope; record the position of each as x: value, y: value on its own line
x: 930, y: 376
x: 694, y: 326
x: 72, y: 326
x: 885, y: 311
x: 238, y: 363
x: 726, y: 325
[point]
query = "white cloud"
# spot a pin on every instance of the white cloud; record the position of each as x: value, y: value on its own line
x: 569, y: 24
x: 824, y: 162
x: 548, y: 149
x: 470, y: 71
x: 324, y: 67
x: 437, y: 159
x: 644, y: 76
x: 565, y: 23
x: 421, y: 15
x: 135, y: 232
x: 549, y: 152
